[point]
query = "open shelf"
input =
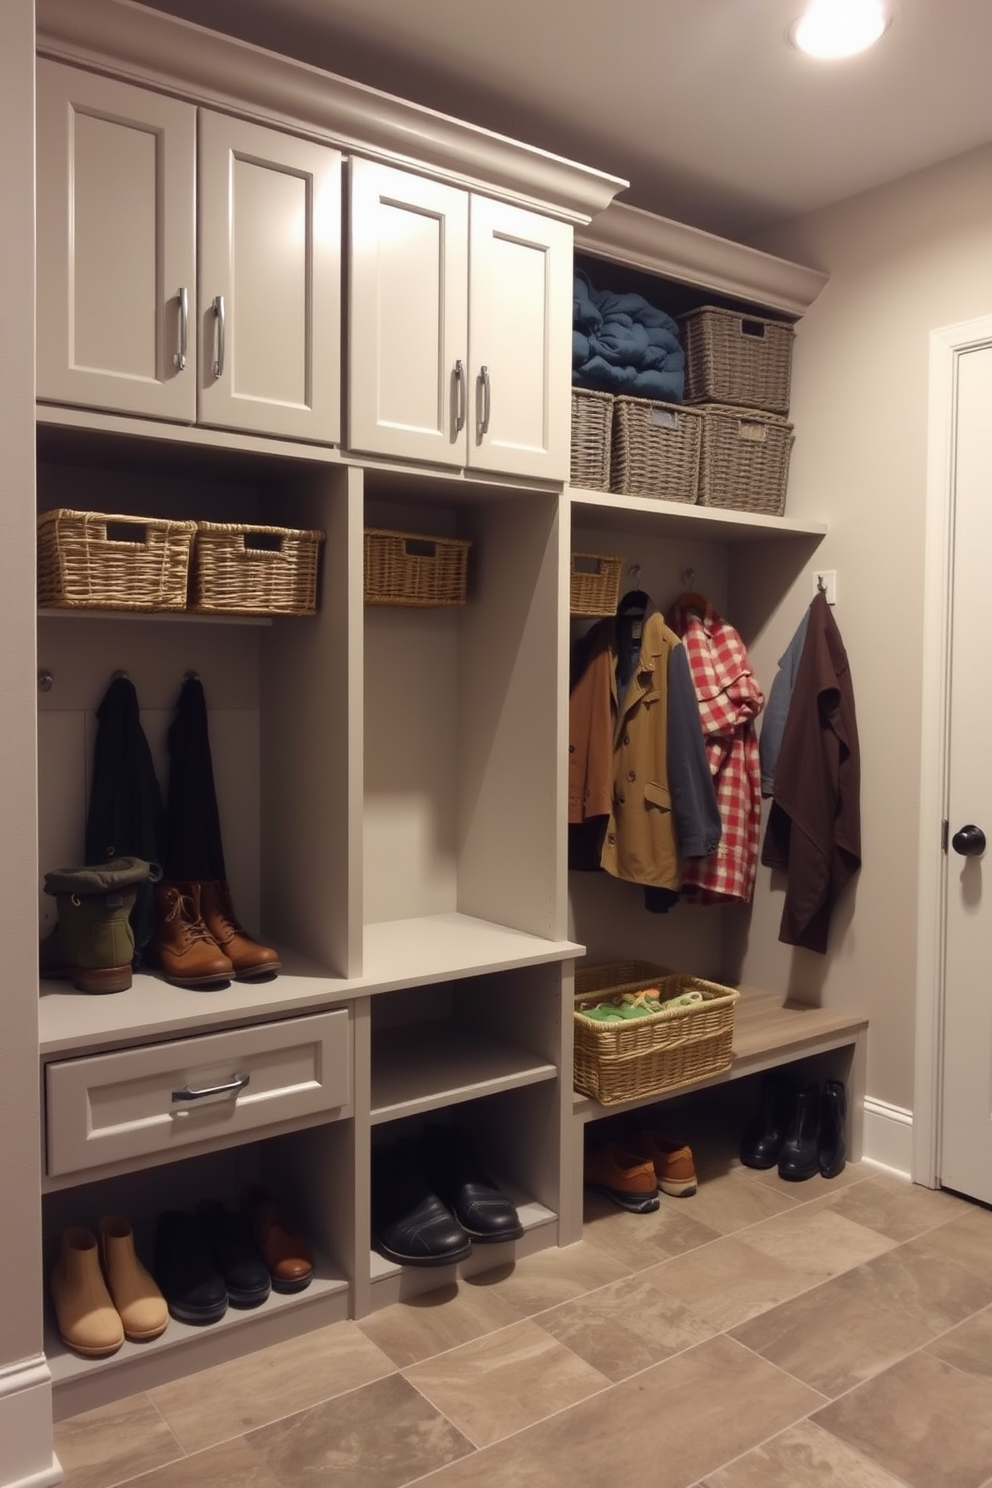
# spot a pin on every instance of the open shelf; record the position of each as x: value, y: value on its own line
x: 603, y: 510
x: 423, y: 1067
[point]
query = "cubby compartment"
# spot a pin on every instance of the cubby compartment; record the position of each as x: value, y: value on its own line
x: 310, y: 1175
x: 462, y: 724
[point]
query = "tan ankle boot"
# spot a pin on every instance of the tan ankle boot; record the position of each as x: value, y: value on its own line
x: 250, y: 959
x: 182, y: 945
x: 87, y: 1318
x: 142, y: 1308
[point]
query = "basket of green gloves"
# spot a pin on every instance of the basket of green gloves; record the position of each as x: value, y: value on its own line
x: 641, y: 1029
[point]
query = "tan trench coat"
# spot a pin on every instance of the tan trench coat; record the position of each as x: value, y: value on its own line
x: 618, y: 761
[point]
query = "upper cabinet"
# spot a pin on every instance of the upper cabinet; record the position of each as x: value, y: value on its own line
x: 459, y: 327
x: 125, y: 323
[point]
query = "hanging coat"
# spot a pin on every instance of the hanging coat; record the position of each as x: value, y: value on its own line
x: 729, y: 701
x: 125, y: 818
x: 193, y: 847
x: 814, y: 823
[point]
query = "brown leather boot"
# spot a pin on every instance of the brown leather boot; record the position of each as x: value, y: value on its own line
x: 182, y: 945
x: 249, y: 958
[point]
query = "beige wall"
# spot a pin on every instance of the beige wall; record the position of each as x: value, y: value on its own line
x: 903, y: 260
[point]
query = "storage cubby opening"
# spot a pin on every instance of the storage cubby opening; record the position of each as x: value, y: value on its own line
x: 671, y: 295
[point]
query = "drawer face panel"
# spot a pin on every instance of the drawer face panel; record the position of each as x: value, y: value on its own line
x: 109, y: 1108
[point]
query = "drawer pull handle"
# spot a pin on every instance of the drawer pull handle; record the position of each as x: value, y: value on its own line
x: 230, y: 1088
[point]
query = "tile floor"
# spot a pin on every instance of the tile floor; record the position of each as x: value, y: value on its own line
x: 757, y: 1335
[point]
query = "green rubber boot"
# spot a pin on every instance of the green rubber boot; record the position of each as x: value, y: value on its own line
x: 93, y: 943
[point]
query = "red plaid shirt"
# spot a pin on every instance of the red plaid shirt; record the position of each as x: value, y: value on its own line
x: 729, y: 702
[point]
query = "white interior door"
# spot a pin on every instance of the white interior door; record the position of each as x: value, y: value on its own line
x: 270, y: 281
x: 965, y: 1161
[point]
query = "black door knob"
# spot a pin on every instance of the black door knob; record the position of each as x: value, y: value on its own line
x: 969, y: 841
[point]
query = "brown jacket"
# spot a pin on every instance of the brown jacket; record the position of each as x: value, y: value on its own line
x: 814, y: 824
x: 618, y: 760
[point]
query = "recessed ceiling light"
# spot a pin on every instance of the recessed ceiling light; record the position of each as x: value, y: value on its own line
x: 839, y: 28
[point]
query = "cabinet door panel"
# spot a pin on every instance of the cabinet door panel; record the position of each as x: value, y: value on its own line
x: 270, y: 247
x: 520, y: 315
x: 115, y: 245
x: 408, y: 314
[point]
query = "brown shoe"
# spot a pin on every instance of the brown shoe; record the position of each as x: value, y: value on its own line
x: 87, y: 1318
x: 287, y: 1255
x: 623, y: 1176
x: 182, y: 945
x: 142, y: 1307
x: 248, y: 957
x: 673, y: 1164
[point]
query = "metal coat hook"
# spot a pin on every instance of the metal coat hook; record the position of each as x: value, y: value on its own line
x: 634, y: 570
x: 821, y: 587
x: 190, y: 677
x: 46, y: 680
x: 688, y: 576
x: 119, y: 676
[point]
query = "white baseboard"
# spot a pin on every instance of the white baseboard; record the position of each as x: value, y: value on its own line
x: 27, y: 1458
x: 888, y: 1136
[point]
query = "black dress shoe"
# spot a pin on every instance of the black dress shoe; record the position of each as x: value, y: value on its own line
x: 186, y: 1271
x: 763, y: 1139
x: 456, y: 1175
x: 410, y: 1224
x: 799, y: 1157
x: 235, y: 1251
x: 832, y: 1150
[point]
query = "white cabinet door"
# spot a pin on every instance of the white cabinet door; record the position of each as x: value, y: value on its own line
x: 270, y: 281
x: 116, y: 246
x: 520, y: 319
x: 408, y: 308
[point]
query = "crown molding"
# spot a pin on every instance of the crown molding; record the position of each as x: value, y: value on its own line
x: 630, y: 235
x: 130, y: 41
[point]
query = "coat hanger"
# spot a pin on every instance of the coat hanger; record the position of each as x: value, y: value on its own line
x: 691, y: 599
x: 635, y: 602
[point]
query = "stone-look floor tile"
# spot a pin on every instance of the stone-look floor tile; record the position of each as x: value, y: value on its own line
x: 639, y: 1240
x: 113, y: 1443
x: 732, y: 1201
x: 379, y: 1436
x: 817, y: 1242
x: 893, y: 1206
x: 552, y: 1276
x: 852, y: 1327
x: 515, y: 1462
x: 498, y: 1385
x: 815, y: 1187
x: 922, y: 1420
x: 625, y: 1327
x: 727, y: 1282
x: 669, y: 1425
x: 231, y: 1465
x: 805, y: 1456
x: 437, y: 1321
x: 966, y: 1239
x: 230, y: 1399
x: 968, y: 1346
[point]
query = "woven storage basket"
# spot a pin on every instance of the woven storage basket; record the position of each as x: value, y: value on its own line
x: 592, y: 437
x: 734, y: 358
x: 89, y: 560
x: 655, y: 449
x: 408, y: 568
x: 242, y: 570
x: 744, y: 464
x: 595, y: 583
x: 660, y: 1052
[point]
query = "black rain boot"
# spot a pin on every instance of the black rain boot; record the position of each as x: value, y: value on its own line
x: 798, y: 1158
x: 762, y: 1141
x: 832, y: 1152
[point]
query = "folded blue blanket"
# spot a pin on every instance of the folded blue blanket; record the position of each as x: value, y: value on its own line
x: 623, y: 344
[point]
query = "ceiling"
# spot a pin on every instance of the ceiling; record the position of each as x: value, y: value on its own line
x: 701, y: 104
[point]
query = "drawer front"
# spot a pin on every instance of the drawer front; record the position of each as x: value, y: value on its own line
x: 108, y: 1108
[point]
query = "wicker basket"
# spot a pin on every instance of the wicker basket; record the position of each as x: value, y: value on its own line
x: 592, y: 431
x: 655, y: 449
x: 407, y: 568
x: 734, y: 358
x: 744, y: 464
x: 242, y: 570
x: 92, y: 561
x: 659, y: 1052
x: 595, y: 583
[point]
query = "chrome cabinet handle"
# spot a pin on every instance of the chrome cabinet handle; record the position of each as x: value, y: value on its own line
x: 459, y: 396
x: 221, y: 322
x: 231, y: 1087
x: 486, y: 400
x: 182, y: 297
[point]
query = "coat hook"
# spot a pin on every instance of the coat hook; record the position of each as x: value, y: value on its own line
x: 821, y: 587
x: 119, y: 676
x: 46, y: 681
x: 688, y: 578
x: 190, y: 677
x: 634, y: 570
